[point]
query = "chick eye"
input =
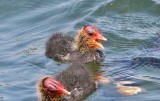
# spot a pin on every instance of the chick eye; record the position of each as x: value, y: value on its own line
x: 91, y: 32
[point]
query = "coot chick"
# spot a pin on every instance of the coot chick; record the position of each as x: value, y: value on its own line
x: 73, y: 84
x: 84, y: 47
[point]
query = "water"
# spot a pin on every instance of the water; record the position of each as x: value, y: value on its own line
x: 132, y: 51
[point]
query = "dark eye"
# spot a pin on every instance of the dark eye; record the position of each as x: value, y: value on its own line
x: 91, y: 32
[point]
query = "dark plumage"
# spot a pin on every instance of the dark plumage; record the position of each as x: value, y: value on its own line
x: 84, y: 47
x: 58, y: 46
x: 76, y: 78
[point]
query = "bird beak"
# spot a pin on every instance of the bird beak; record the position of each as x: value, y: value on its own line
x: 99, y: 45
x: 97, y: 42
x: 66, y: 92
x: 63, y: 91
x: 100, y: 37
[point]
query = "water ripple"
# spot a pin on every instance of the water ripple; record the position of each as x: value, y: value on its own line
x: 132, y: 50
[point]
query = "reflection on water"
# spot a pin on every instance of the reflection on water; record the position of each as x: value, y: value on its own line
x: 127, y: 90
x: 94, y: 67
x: 123, y: 87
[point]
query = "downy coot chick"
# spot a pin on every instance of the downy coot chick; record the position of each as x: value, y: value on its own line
x: 84, y: 47
x: 73, y: 84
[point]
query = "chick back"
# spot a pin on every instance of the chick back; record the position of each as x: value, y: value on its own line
x: 78, y: 77
x: 59, y: 45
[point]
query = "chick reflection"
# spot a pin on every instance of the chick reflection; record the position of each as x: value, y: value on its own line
x: 95, y: 68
